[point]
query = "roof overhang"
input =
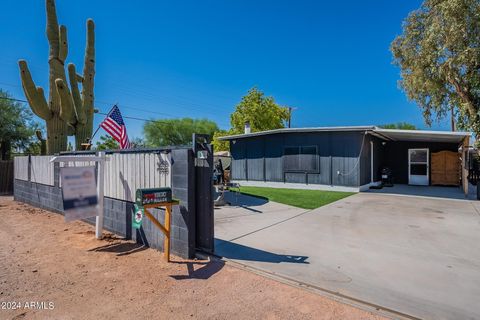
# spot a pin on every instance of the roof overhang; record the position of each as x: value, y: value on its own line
x: 385, y: 134
x: 420, y: 135
x: 296, y: 130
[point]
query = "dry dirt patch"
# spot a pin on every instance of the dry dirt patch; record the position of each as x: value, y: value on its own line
x: 50, y: 263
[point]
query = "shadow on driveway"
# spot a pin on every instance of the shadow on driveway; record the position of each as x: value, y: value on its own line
x: 235, y: 251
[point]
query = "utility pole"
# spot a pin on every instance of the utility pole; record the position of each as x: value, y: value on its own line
x: 290, y: 109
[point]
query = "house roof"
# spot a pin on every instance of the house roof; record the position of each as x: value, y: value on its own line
x: 386, y: 134
x: 421, y: 135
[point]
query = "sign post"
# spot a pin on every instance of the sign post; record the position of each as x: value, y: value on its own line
x: 100, y: 159
x: 100, y: 188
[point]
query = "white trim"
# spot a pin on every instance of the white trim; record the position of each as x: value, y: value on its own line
x: 287, y: 130
x: 424, y: 132
x: 244, y: 183
x: 415, y: 179
x: 388, y: 133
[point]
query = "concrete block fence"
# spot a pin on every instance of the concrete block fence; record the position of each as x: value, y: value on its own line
x: 118, y: 213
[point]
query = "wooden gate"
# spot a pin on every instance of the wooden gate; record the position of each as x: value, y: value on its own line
x: 6, y: 176
x: 445, y: 168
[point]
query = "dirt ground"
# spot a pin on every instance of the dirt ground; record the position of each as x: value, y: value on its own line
x: 53, y: 270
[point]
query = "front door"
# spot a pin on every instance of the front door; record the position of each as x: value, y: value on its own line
x: 418, y: 163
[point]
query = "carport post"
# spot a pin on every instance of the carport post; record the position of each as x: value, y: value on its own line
x: 466, y: 141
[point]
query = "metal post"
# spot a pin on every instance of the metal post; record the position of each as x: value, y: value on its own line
x: 100, y: 186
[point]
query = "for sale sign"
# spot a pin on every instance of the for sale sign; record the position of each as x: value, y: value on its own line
x: 79, y: 192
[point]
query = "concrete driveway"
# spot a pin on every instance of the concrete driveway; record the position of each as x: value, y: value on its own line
x: 419, y: 256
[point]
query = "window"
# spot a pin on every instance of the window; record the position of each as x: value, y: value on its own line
x: 300, y: 159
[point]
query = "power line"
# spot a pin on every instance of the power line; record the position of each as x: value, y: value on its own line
x: 134, y: 118
x: 121, y: 105
x: 13, y: 99
x: 102, y: 113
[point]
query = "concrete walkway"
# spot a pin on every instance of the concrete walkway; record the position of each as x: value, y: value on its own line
x: 419, y: 256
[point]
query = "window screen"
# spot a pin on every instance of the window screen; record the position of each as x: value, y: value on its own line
x: 300, y: 159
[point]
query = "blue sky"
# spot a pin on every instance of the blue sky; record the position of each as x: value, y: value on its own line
x: 165, y: 59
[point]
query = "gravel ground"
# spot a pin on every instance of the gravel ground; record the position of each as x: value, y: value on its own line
x: 53, y: 270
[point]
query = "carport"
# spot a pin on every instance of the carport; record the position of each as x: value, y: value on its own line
x: 420, y: 158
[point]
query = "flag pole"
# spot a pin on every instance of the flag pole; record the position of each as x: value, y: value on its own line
x: 98, y: 128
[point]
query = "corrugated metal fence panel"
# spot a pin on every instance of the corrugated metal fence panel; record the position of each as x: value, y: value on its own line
x: 6, y: 176
x: 125, y: 173
x: 42, y: 170
x: 21, y: 168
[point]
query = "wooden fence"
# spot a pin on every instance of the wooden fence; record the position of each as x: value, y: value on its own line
x: 124, y: 172
x: 6, y: 176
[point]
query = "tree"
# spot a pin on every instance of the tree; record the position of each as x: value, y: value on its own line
x: 399, y: 125
x: 16, y: 125
x: 137, y: 142
x: 106, y: 142
x: 439, y: 57
x: 260, y: 111
x: 37, y: 146
x: 220, y: 145
x: 176, y: 132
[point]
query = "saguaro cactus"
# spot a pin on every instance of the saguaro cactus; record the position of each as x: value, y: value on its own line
x: 67, y: 112
x: 43, y: 142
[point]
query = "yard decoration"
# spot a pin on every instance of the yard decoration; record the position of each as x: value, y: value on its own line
x: 68, y: 112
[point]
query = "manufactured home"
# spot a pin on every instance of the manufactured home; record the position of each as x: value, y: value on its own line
x: 348, y: 158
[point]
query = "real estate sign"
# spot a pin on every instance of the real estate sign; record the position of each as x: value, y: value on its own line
x: 79, y: 192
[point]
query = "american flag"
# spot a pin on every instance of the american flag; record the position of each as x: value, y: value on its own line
x: 115, y: 126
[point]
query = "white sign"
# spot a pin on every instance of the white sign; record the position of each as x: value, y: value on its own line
x: 79, y: 192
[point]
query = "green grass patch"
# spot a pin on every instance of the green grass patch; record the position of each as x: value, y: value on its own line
x: 306, y: 199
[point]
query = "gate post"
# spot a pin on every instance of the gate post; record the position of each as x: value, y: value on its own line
x: 100, y: 185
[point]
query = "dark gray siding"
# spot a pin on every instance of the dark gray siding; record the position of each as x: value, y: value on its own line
x: 261, y: 158
x: 273, y: 158
x: 255, y: 160
x: 365, y: 162
x: 239, y: 165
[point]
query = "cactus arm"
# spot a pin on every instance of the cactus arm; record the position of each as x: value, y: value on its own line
x: 35, y: 96
x: 77, y: 100
x: 89, y: 70
x: 52, y: 29
x: 63, y: 51
x: 67, y: 109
